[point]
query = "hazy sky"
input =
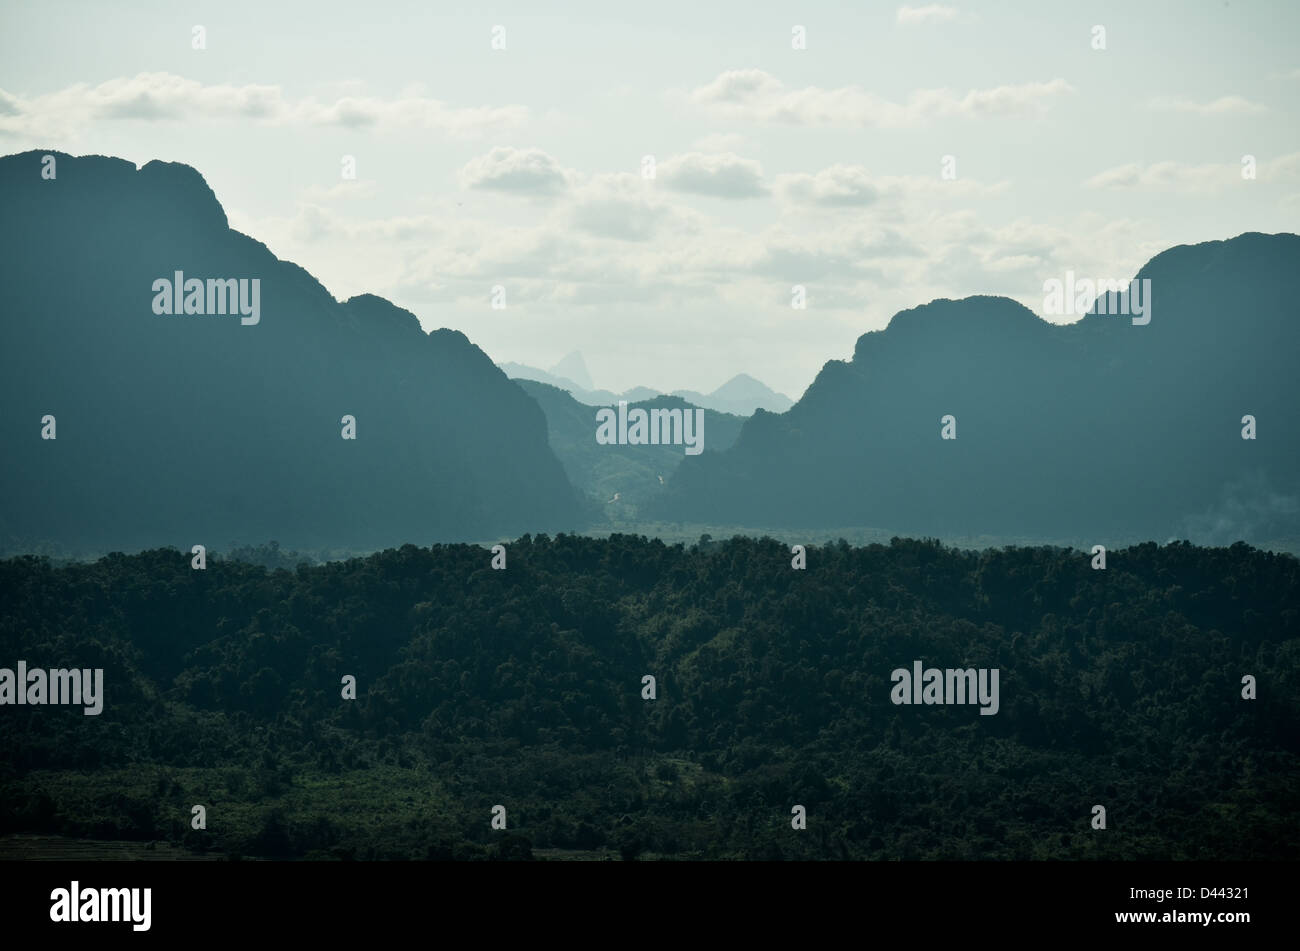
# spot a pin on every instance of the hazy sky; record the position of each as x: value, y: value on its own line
x: 774, y: 166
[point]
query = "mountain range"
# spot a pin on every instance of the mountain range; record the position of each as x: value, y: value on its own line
x: 211, y: 428
x: 1091, y: 430
x: 620, y: 480
x: 742, y: 395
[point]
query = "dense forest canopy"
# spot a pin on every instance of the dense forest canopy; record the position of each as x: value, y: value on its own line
x: 524, y: 687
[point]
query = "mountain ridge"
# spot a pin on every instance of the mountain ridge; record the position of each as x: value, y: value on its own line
x: 1041, y: 406
x: 201, y: 430
x: 739, y: 396
x: 618, y: 479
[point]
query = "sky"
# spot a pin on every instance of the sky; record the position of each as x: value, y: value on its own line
x: 793, y: 144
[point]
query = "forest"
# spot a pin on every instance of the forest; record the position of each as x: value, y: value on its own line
x: 524, y: 687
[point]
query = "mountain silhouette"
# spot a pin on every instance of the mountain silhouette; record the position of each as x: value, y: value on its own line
x: 742, y: 395
x: 1083, y: 430
x: 201, y: 429
x: 573, y: 367
x: 739, y: 396
x: 636, y: 474
x: 521, y: 371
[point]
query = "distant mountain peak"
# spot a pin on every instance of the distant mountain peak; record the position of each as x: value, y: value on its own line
x: 573, y: 367
x: 742, y: 395
x: 743, y: 387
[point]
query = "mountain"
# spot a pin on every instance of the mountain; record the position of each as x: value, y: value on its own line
x: 742, y: 395
x: 521, y: 371
x: 210, y: 430
x: 739, y: 396
x: 1088, y: 430
x: 574, y: 368
x: 633, y: 474
x: 637, y: 394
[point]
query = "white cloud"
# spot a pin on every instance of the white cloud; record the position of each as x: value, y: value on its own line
x: 724, y: 175
x: 1166, y: 175
x: 757, y: 96
x: 521, y: 171
x: 931, y: 13
x: 614, y: 239
x: 618, y: 244
x: 852, y: 186
x: 1223, y: 106
x: 1283, y: 169
x: 625, y: 207
x: 1196, y: 178
x: 9, y: 106
x: 837, y: 186
x: 167, y: 97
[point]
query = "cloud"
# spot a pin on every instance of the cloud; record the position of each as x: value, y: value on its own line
x: 520, y: 171
x: 878, y: 244
x: 739, y: 86
x: 852, y: 186
x: 623, y: 207
x: 724, y: 175
x: 1165, y: 175
x: 311, y: 224
x: 1200, y: 178
x: 158, y: 97
x: 831, y: 258
x: 1223, y: 106
x: 432, y: 114
x: 931, y: 13
x: 760, y: 97
x: 837, y: 186
x: 1283, y: 169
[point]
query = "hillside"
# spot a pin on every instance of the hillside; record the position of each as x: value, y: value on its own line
x: 635, y: 474
x: 185, y: 428
x: 524, y: 687
x: 1062, y: 431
